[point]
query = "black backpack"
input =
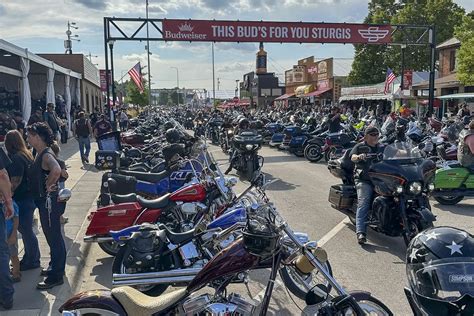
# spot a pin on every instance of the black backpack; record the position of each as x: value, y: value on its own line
x: 82, y: 128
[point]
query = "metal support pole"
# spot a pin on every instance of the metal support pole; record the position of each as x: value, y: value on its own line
x: 148, y: 55
x: 213, y: 79
x: 106, y: 38
x: 112, y: 116
x: 432, y: 39
x: 402, y: 70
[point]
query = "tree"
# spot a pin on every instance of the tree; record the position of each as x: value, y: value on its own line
x: 370, y: 61
x: 465, y: 55
x: 134, y: 96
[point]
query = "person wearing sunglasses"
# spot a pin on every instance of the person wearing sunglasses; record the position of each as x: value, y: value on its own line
x: 365, y: 191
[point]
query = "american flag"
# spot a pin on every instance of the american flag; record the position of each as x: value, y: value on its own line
x: 388, y: 80
x: 136, y: 75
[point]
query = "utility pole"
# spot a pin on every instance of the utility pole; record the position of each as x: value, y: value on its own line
x: 70, y: 37
x: 148, y: 55
x: 213, y: 78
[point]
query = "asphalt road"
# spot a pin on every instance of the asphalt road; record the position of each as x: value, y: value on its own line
x: 301, y: 194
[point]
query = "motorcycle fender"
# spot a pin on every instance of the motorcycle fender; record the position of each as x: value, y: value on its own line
x: 317, y: 141
x: 426, y: 214
x: 95, y: 300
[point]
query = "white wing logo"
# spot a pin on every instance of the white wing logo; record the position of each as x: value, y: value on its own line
x: 373, y: 34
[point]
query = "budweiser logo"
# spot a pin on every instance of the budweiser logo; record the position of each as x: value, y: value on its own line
x: 185, y: 27
x: 373, y: 34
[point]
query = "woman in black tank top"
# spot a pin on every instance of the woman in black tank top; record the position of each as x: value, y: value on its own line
x: 43, y: 179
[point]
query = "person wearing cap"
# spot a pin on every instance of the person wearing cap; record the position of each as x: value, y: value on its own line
x: 364, y: 186
x: 36, y: 117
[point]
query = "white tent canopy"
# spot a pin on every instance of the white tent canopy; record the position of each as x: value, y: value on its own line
x: 37, y: 76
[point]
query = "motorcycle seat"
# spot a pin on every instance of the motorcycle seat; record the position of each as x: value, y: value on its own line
x: 125, y: 198
x: 136, y: 303
x: 177, y: 238
x: 160, y: 202
x: 146, y: 176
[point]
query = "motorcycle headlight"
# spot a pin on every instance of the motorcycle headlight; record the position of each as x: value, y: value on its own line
x: 415, y: 188
x: 431, y: 186
x: 249, y: 147
x: 399, y: 189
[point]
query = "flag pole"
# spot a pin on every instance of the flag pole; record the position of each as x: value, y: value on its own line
x: 213, y: 79
x: 148, y: 55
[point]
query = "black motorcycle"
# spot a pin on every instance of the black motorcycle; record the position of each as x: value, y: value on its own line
x: 401, y: 178
x: 226, y: 136
x: 245, y: 158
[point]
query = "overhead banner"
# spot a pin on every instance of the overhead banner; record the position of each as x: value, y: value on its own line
x: 260, y: 31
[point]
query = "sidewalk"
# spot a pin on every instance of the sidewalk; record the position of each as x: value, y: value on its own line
x: 85, y: 185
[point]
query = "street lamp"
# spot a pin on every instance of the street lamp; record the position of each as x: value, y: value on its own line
x: 70, y: 37
x: 177, y: 81
x: 237, y: 88
x: 111, y: 47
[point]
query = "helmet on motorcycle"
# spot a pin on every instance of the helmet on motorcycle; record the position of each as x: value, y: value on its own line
x: 259, y: 238
x: 134, y: 153
x: 172, y: 136
x: 64, y: 195
x: 440, y: 271
x: 244, y: 123
x: 168, y: 125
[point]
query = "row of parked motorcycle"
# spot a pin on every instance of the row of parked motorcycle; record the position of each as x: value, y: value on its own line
x: 170, y: 217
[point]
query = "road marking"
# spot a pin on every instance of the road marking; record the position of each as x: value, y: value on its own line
x: 333, y: 232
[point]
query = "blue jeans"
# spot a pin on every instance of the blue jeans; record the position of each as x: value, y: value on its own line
x: 51, y: 225
x: 31, y: 258
x: 6, y: 284
x: 364, y: 200
x: 84, y: 142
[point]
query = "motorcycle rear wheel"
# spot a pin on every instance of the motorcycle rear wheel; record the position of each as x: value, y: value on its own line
x: 110, y: 247
x: 118, y: 268
x: 448, y: 200
x: 290, y: 277
x: 313, y: 152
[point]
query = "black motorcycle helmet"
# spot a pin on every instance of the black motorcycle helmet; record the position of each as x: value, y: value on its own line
x: 244, y: 123
x: 168, y: 125
x: 440, y: 271
x: 259, y: 237
x: 172, y: 136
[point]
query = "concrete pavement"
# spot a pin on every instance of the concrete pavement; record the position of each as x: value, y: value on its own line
x: 84, y: 180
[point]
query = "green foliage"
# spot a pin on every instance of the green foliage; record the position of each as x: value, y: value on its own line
x: 134, y: 96
x: 465, y: 55
x: 372, y: 60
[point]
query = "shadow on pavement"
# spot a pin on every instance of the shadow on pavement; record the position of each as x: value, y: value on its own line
x: 102, y: 271
x: 458, y: 209
x: 279, y: 184
x: 377, y: 242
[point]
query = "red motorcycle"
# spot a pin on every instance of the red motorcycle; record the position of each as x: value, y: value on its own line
x: 179, y: 210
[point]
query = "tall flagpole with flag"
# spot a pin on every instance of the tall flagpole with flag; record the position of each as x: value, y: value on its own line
x: 136, y: 75
x: 389, y: 78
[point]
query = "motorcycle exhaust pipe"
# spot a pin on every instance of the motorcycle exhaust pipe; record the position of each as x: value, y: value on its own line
x: 162, y: 277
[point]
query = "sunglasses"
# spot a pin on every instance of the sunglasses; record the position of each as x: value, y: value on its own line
x: 374, y: 134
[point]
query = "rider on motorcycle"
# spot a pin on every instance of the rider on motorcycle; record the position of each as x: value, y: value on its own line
x: 364, y: 187
x: 334, y: 120
x: 244, y: 124
x: 466, y: 147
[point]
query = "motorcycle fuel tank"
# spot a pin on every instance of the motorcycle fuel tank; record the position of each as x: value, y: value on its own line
x: 190, y: 193
x: 228, y: 219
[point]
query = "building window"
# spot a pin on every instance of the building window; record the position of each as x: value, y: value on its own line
x: 265, y: 92
x: 452, y: 60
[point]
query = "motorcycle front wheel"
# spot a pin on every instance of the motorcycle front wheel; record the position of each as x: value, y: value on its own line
x: 119, y: 268
x: 299, y: 283
x: 448, y: 200
x: 369, y: 305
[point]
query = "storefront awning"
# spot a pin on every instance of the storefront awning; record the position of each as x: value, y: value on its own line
x: 317, y: 93
x: 284, y: 97
x: 457, y: 96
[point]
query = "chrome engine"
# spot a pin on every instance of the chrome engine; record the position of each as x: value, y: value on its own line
x: 187, y: 213
x: 234, y: 305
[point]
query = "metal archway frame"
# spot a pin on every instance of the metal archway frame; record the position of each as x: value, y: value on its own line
x: 266, y: 31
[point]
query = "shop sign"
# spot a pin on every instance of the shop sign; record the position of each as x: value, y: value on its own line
x: 261, y: 31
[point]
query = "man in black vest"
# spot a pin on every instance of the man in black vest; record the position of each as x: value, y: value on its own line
x: 82, y: 131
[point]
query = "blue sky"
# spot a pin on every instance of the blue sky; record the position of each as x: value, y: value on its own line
x: 40, y: 26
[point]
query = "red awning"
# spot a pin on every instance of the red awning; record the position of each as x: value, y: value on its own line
x: 316, y: 93
x: 436, y: 103
x: 284, y: 97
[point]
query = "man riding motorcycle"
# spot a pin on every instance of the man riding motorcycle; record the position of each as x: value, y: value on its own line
x: 466, y: 147
x: 334, y: 120
x: 244, y: 124
x: 364, y: 187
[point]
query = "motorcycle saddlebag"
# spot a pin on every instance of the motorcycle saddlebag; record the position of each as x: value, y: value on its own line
x: 107, y: 159
x: 122, y: 184
x: 342, y: 196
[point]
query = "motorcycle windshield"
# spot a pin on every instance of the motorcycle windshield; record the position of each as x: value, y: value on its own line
x: 401, y: 151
